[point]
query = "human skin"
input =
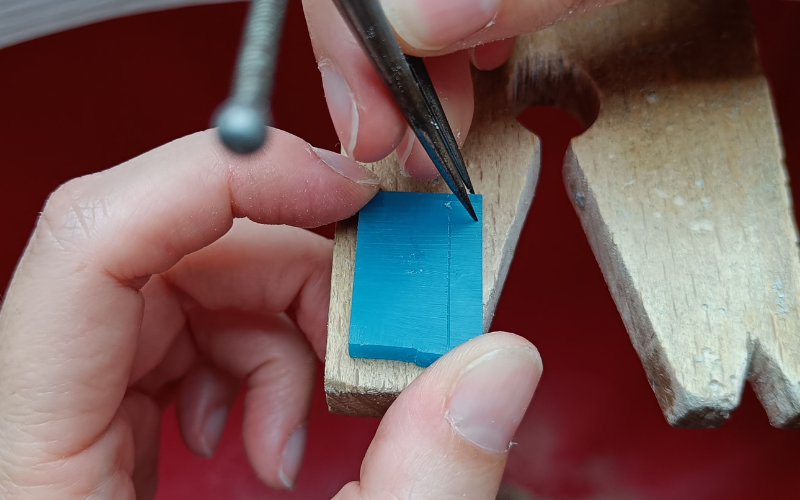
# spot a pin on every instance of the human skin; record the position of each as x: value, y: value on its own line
x: 450, y: 34
x: 137, y: 288
x: 149, y: 276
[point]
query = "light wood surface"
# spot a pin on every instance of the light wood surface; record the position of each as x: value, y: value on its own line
x: 679, y: 184
x: 503, y: 162
x: 681, y: 188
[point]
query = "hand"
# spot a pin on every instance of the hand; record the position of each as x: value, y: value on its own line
x: 138, y: 286
x: 451, y: 33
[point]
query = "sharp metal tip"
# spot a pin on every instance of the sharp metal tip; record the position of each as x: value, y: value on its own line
x: 471, y: 210
x: 461, y: 194
x: 407, y: 79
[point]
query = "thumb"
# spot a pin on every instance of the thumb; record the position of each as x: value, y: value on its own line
x: 448, y: 434
x: 428, y: 28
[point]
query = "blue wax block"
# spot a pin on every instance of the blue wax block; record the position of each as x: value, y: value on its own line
x: 418, y: 283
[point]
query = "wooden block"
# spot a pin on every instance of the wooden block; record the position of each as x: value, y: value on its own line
x: 679, y: 184
x: 417, y: 284
x: 681, y: 188
x: 503, y: 162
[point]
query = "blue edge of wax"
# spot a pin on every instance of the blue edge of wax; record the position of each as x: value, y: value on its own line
x: 418, y: 282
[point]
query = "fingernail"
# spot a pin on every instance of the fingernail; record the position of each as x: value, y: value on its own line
x: 346, y: 167
x: 403, y: 151
x: 342, y: 106
x: 430, y: 25
x: 293, y: 456
x: 212, y: 431
x: 492, y: 394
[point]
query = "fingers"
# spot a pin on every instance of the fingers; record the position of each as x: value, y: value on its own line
x: 267, y: 269
x: 366, y: 120
x: 162, y: 321
x: 368, y: 123
x: 144, y: 418
x: 492, y: 55
x: 74, y: 310
x: 430, y: 26
x: 451, y: 78
x: 443, y: 26
x: 278, y: 366
x: 448, y: 434
x: 205, y: 397
x: 160, y: 382
x: 257, y: 268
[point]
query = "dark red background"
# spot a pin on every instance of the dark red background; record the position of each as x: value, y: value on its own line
x: 87, y: 99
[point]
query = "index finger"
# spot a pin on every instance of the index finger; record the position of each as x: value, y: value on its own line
x: 69, y: 325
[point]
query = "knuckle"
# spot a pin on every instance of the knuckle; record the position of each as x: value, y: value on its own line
x: 73, y: 214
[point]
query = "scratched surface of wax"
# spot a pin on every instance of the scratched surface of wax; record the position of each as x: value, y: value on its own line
x: 417, y: 288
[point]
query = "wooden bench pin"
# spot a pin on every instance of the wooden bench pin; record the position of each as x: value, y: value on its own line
x: 679, y: 184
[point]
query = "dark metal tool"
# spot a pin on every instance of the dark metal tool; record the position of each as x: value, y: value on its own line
x: 410, y: 85
x: 241, y: 119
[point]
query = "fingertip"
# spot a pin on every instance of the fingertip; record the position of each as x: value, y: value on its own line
x: 387, y: 132
x: 502, y: 338
x: 312, y: 191
x: 464, y: 355
x: 492, y: 55
x: 279, y: 367
x: 365, y: 118
x: 203, y: 403
x: 368, y: 123
x: 492, y: 394
x: 212, y: 432
x: 342, y: 106
x: 381, y: 125
x: 451, y: 77
x: 292, y: 456
x: 432, y: 26
x: 460, y: 414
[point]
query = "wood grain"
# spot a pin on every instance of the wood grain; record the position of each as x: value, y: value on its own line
x: 679, y: 184
x: 681, y: 188
x: 503, y: 162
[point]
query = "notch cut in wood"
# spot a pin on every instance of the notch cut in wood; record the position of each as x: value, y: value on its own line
x: 679, y: 185
x: 681, y: 189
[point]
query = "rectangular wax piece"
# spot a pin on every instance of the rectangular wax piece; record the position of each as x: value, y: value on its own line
x: 418, y: 282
